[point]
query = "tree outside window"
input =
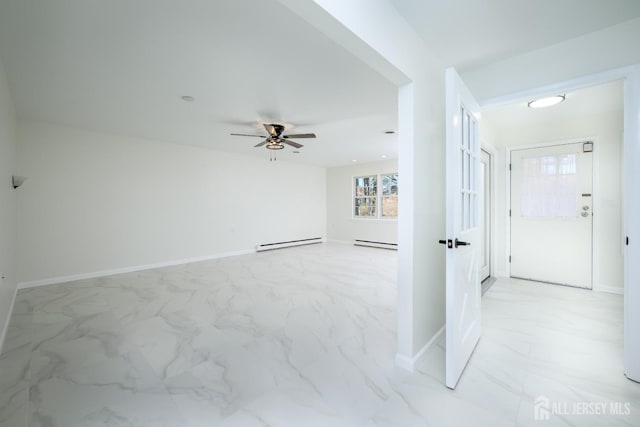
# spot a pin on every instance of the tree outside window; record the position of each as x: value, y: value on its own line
x: 366, y: 193
x: 390, y: 196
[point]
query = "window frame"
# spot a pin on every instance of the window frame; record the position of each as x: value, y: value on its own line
x: 378, y: 198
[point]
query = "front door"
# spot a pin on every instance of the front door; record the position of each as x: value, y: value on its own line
x: 463, y: 325
x: 552, y: 214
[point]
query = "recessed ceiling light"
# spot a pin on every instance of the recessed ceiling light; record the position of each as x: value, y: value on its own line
x: 187, y: 98
x: 389, y: 132
x: 354, y: 161
x: 384, y: 156
x: 546, y: 102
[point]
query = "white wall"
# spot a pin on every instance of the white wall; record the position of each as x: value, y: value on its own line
x: 7, y: 202
x: 606, y: 128
x: 591, y: 53
x: 340, y: 222
x: 97, y: 202
x: 374, y: 31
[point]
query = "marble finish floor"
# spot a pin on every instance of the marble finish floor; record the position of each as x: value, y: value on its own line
x: 298, y: 337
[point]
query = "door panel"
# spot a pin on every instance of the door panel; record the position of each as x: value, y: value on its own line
x: 485, y: 214
x: 551, y: 215
x: 463, y: 327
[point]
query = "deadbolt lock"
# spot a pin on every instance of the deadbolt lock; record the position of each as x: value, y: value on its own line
x: 585, y: 208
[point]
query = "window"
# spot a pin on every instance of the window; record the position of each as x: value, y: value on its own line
x: 368, y: 196
x: 549, y: 187
x: 389, y: 196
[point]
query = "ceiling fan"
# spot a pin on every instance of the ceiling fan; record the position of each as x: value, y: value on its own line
x: 275, y: 140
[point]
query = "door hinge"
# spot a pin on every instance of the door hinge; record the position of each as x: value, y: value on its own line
x: 509, y: 212
x: 509, y: 166
x: 627, y: 240
x: 509, y: 258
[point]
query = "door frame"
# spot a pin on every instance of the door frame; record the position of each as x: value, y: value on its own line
x: 595, y: 197
x: 493, y: 153
x: 630, y: 75
x: 619, y: 74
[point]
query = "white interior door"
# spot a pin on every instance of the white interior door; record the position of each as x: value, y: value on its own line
x: 551, y: 214
x: 485, y: 214
x: 463, y: 327
x: 631, y: 190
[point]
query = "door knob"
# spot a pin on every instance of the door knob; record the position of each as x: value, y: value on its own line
x: 461, y: 243
x: 449, y: 243
x: 584, y: 214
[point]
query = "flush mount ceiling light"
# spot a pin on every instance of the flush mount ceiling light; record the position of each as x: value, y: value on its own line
x: 187, y: 98
x: 546, y: 102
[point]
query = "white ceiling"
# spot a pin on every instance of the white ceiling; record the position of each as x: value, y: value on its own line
x: 121, y: 66
x: 472, y: 33
x: 586, y: 102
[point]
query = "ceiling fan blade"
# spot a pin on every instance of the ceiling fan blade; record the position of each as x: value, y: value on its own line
x: 261, y: 144
x: 244, y: 134
x: 300, y: 135
x: 293, y: 144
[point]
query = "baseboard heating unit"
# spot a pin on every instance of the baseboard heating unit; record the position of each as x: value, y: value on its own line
x: 288, y: 244
x: 382, y: 245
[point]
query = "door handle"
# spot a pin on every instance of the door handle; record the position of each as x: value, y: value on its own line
x: 461, y: 243
x: 449, y: 243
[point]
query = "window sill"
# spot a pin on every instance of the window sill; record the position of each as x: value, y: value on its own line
x: 375, y: 219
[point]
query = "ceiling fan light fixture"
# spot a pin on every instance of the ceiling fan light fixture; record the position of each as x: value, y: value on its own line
x: 546, y: 102
x: 275, y: 146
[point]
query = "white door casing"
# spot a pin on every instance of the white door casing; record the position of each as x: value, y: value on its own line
x: 463, y: 293
x: 552, y: 214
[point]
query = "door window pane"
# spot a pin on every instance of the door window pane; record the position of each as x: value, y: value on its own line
x: 549, y: 187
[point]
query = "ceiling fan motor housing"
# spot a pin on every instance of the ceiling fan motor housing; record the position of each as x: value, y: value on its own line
x: 276, y: 129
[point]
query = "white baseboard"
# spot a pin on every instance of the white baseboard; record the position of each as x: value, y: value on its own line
x: 103, y: 273
x: 404, y: 362
x: 342, y: 242
x: 409, y: 363
x: 290, y: 244
x: 609, y: 289
x: 372, y: 244
x: 5, y: 328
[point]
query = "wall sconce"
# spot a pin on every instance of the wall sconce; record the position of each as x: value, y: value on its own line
x: 17, y: 181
